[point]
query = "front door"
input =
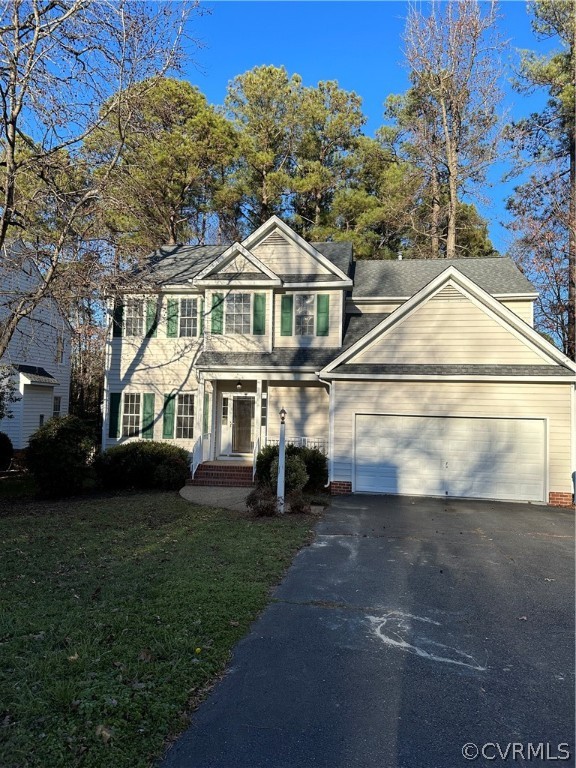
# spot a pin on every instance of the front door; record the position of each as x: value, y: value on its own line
x: 237, y: 424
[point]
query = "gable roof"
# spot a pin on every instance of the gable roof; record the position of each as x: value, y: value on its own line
x: 452, y: 276
x: 211, y: 272
x: 34, y: 374
x: 402, y: 279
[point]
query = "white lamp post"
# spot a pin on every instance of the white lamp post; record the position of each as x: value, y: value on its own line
x: 281, y: 462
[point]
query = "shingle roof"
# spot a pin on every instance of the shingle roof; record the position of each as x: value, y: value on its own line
x: 36, y: 374
x: 455, y: 370
x: 309, y: 278
x: 297, y: 357
x: 404, y: 278
x: 181, y: 263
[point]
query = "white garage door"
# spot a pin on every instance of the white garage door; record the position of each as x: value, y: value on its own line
x: 438, y: 456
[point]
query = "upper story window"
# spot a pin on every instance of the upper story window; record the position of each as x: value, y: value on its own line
x: 238, y: 313
x: 134, y: 314
x: 188, y: 317
x: 304, y: 314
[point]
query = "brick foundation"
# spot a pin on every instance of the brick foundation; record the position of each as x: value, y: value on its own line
x: 557, y: 499
x: 338, y: 488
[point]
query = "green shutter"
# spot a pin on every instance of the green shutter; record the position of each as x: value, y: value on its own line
x: 114, y: 416
x: 286, y: 315
x: 217, y: 312
x: 168, y: 420
x: 206, y: 420
x: 148, y: 416
x: 172, y: 318
x: 259, y: 314
x: 201, y: 317
x: 117, y: 318
x: 322, y: 315
x: 151, y: 318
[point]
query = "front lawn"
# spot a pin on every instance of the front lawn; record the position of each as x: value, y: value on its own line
x: 116, y: 614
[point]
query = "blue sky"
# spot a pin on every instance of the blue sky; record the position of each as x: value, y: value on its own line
x: 357, y: 43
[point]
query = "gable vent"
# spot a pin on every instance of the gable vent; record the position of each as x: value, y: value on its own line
x: 275, y: 239
x: 449, y: 293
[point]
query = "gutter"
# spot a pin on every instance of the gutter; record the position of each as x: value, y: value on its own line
x: 330, y: 429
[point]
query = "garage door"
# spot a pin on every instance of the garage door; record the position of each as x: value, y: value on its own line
x: 439, y: 456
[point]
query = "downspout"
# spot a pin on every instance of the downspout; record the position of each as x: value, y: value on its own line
x: 330, y: 427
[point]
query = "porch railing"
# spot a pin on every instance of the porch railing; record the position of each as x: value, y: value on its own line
x: 255, y: 453
x: 197, y: 452
x: 308, y: 442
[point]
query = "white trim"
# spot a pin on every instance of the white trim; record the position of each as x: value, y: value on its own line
x: 223, y: 283
x: 275, y: 223
x: 451, y: 276
x: 386, y: 299
x: 573, y: 438
x: 228, y: 255
x: 446, y: 377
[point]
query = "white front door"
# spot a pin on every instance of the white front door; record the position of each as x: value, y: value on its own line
x: 236, y: 423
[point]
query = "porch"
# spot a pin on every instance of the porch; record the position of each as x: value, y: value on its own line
x: 235, y: 418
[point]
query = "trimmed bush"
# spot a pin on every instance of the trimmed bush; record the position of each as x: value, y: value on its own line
x: 58, y: 456
x: 6, y: 451
x: 295, y: 476
x: 262, y: 501
x: 315, y: 461
x: 145, y: 464
x: 297, y: 504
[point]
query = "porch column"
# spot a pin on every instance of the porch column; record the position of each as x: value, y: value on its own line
x: 258, y: 413
x: 199, y: 411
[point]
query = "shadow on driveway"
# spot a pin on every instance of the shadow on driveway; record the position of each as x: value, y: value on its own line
x: 409, y: 628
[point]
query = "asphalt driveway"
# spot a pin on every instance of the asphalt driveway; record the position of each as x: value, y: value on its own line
x: 410, y: 628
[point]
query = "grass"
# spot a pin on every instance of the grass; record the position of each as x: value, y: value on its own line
x: 116, y: 614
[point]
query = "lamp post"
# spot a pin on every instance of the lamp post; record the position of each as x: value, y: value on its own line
x: 281, y: 461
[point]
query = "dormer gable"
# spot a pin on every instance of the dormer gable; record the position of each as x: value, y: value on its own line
x: 289, y: 256
x: 239, y: 266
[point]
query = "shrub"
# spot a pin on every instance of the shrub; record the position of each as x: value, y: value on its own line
x: 58, y: 456
x: 314, y: 460
x: 296, y: 503
x: 262, y: 501
x: 295, y: 476
x: 145, y: 464
x: 6, y: 451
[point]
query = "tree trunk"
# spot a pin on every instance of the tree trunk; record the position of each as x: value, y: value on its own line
x: 452, y: 167
x: 435, y: 218
x: 571, y: 340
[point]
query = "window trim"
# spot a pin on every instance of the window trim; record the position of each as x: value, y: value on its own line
x: 138, y: 433
x: 190, y: 416
x: 131, y: 302
x: 250, y: 295
x: 314, y: 311
x: 193, y: 317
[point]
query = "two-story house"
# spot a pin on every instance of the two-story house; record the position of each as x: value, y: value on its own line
x: 415, y: 377
x: 38, y: 354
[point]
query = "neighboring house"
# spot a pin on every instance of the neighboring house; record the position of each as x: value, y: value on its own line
x: 416, y: 377
x: 38, y: 353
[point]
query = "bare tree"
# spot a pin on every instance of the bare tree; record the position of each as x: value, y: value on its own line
x: 453, y: 57
x: 64, y: 68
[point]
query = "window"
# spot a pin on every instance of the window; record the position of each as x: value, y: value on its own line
x: 238, y: 312
x: 60, y: 349
x: 41, y: 420
x: 185, y: 417
x: 264, y: 409
x: 131, y: 416
x: 188, y: 317
x: 304, y: 314
x: 57, y: 406
x: 134, y: 317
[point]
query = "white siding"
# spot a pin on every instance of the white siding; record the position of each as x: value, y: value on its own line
x: 227, y: 342
x: 238, y: 266
x: 450, y: 329
x: 287, y: 258
x: 306, y: 407
x: 37, y: 401
x: 487, y: 399
x: 524, y: 309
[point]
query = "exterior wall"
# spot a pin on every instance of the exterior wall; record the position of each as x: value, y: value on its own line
x: 524, y: 310
x: 37, y: 401
x: 379, y: 307
x: 286, y: 258
x: 513, y: 400
x: 450, y: 329
x: 334, y: 338
x: 35, y: 343
x: 306, y: 407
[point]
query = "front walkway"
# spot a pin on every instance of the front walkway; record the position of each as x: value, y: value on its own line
x: 226, y: 498
x: 408, y: 629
